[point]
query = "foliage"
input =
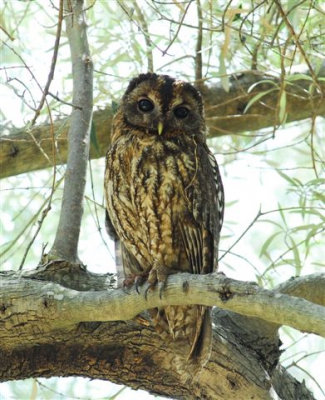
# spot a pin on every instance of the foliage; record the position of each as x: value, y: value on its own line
x: 274, y: 179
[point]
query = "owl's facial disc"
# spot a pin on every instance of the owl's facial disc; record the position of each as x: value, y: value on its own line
x: 163, y: 106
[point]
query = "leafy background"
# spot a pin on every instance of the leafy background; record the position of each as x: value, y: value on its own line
x: 273, y: 178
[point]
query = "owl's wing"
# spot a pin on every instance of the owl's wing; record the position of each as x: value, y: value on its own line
x: 200, y: 233
x: 110, y: 228
x: 201, y: 230
x: 218, y: 189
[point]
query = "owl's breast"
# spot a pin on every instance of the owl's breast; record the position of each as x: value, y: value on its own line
x: 147, y: 190
x: 162, y: 173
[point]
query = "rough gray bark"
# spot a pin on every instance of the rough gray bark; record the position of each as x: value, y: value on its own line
x: 236, y: 296
x: 48, y: 329
x: 225, y: 115
x: 67, y: 235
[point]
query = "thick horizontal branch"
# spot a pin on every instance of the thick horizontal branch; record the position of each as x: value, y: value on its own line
x: 245, y: 350
x: 225, y: 112
x: 39, y: 300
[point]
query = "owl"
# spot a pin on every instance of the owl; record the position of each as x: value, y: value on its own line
x: 165, y: 201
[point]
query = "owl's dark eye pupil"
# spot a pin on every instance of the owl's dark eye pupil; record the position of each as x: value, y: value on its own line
x: 181, y: 112
x: 145, y: 105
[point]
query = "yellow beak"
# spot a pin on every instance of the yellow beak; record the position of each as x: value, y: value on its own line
x: 160, y: 128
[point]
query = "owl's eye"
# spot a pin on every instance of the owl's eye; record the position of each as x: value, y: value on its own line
x: 145, y: 105
x: 181, y: 112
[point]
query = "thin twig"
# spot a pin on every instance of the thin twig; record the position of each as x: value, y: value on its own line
x: 53, y: 63
x: 146, y: 35
x: 7, y: 33
x: 198, y: 50
x: 64, y: 102
x: 282, y: 92
x: 312, y: 136
x: 53, y: 188
x: 40, y: 223
x: 297, y: 41
x: 120, y: 3
x: 178, y: 29
x: 22, y: 96
x: 243, y: 234
x: 290, y: 248
x: 261, y: 214
x: 25, y: 65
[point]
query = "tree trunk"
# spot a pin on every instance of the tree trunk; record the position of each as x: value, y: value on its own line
x: 66, y: 240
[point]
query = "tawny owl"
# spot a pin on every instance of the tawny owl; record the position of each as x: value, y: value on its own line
x: 165, y: 200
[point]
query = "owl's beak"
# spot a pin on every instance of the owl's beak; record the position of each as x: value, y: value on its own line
x: 160, y: 128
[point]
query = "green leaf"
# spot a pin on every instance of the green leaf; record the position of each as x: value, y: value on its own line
x: 256, y: 98
x: 293, y: 182
x: 250, y: 89
x: 267, y: 243
x: 282, y: 216
x: 313, y: 232
x: 304, y: 227
x: 296, y: 255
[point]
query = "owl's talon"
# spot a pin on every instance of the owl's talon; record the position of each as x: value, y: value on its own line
x: 138, y: 281
x: 137, y: 287
x: 161, y: 287
x: 147, y: 287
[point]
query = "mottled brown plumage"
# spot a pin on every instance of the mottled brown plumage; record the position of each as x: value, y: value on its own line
x: 164, y: 200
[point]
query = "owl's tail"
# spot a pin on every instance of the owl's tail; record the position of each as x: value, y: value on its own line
x: 201, y: 346
x: 187, y: 330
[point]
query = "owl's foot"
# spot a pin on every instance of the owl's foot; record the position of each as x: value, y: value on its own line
x: 157, y: 277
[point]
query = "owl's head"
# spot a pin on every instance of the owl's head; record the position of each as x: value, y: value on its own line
x: 161, y: 105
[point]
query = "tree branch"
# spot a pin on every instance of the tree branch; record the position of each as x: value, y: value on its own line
x: 67, y: 235
x: 309, y: 287
x: 224, y: 112
x: 245, y: 352
x: 65, y: 307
